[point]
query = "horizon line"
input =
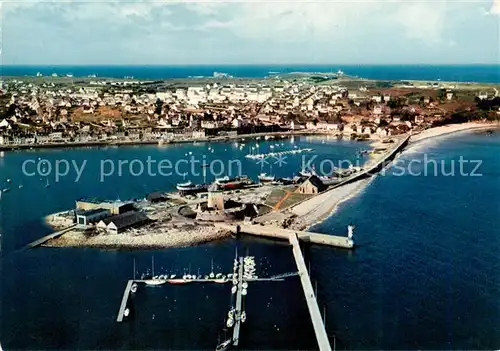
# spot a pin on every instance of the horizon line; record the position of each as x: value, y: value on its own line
x: 242, y: 64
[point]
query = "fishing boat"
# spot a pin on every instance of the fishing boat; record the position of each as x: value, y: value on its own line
x: 238, y: 182
x: 191, y: 188
x: 265, y: 178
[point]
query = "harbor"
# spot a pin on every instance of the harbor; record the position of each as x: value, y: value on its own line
x: 165, y: 317
x: 243, y: 273
x: 195, y: 214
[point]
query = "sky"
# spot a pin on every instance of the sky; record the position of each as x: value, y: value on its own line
x: 249, y: 32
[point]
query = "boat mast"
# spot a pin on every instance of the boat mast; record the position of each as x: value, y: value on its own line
x: 153, y: 266
x: 134, y: 269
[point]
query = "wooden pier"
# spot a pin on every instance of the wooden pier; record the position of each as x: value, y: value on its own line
x: 124, y: 303
x: 284, y: 234
x: 239, y: 300
x: 46, y: 238
x: 312, y: 303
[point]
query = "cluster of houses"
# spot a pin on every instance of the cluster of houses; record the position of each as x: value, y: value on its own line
x: 108, y: 217
x: 108, y: 111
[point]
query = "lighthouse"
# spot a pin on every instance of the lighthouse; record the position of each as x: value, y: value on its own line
x: 350, y: 231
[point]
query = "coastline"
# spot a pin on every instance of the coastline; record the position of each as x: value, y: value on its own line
x: 450, y: 129
x: 181, y: 237
x: 155, y: 142
x: 319, y: 208
x: 309, y: 213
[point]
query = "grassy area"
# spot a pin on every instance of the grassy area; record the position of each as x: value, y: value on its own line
x: 285, y: 198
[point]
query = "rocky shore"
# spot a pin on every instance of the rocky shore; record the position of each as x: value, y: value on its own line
x: 188, y: 235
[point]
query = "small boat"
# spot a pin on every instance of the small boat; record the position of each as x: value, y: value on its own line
x: 244, y: 292
x: 6, y: 190
x: 230, y: 314
x: 243, y: 317
x: 178, y: 281
x: 189, y: 187
x: 234, y: 289
x: 218, y: 275
x: 223, y: 346
x: 265, y: 178
x: 20, y: 186
x: 47, y: 185
x: 172, y: 276
x: 8, y: 180
x: 133, y: 289
x: 126, y: 312
x: 244, y: 285
x: 230, y: 323
x: 155, y: 281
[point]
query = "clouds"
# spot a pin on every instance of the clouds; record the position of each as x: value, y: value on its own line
x: 260, y: 31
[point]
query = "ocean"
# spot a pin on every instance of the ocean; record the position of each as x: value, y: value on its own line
x: 459, y: 73
x: 424, y: 274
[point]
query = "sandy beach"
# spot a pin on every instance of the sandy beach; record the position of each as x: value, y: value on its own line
x: 324, y: 205
x: 451, y: 128
x: 317, y: 209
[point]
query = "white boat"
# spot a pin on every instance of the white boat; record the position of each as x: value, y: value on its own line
x: 230, y: 314
x: 230, y: 323
x: 154, y: 281
x: 234, y: 289
x: 126, y: 312
x: 265, y: 178
x: 244, y: 285
x: 133, y: 289
x: 172, y: 276
x: 244, y: 292
x: 243, y: 317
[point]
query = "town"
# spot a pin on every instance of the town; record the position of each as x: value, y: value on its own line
x: 61, y: 111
